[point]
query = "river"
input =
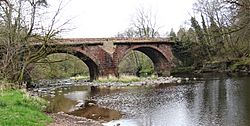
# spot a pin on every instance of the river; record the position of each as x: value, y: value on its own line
x: 215, y: 101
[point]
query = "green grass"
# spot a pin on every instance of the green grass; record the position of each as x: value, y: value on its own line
x: 123, y: 79
x: 19, y: 109
x: 80, y: 77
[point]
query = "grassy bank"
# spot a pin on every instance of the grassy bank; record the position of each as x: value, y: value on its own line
x: 19, y: 109
x: 239, y: 65
x: 123, y: 79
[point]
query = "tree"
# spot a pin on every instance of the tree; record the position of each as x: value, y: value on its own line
x: 222, y: 36
x: 143, y: 25
x: 20, y: 28
x: 172, y: 35
x: 226, y: 26
x: 241, y: 23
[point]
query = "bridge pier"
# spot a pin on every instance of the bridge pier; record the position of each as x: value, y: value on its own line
x: 106, y: 72
x: 162, y: 70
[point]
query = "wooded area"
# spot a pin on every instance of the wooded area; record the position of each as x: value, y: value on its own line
x: 219, y: 32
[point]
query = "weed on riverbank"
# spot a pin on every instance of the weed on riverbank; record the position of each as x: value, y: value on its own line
x: 123, y: 79
x: 19, y: 109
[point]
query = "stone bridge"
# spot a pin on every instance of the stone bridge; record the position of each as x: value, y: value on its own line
x: 103, y: 55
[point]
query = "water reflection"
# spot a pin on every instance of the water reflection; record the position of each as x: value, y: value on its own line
x: 216, y: 101
x: 65, y: 99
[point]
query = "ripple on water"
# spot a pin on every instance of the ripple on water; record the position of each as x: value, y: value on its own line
x: 221, y: 101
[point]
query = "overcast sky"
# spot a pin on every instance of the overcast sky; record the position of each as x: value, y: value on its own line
x: 105, y: 18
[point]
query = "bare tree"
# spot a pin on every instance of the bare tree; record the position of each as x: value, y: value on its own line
x: 19, y: 29
x: 143, y: 25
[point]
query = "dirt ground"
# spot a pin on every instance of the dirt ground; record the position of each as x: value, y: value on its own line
x: 61, y: 119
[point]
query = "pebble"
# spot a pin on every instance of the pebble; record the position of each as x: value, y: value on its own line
x: 79, y: 122
x: 186, y: 78
x: 52, y: 92
x: 61, y: 119
x: 80, y: 104
x: 178, y: 81
x: 60, y: 113
x: 52, y: 95
x: 91, y: 104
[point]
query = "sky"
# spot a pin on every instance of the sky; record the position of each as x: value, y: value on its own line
x: 105, y: 18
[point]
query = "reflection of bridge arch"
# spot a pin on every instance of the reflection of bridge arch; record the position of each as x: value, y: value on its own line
x: 160, y: 59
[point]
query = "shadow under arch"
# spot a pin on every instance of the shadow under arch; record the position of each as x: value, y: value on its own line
x: 91, y: 64
x: 160, y: 60
x: 93, y: 67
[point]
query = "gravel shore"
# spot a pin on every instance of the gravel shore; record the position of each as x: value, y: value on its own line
x: 62, y: 119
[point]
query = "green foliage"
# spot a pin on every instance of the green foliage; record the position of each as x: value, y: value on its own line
x: 18, y: 108
x: 183, y: 48
x: 59, y: 66
x: 146, y: 72
x: 182, y: 70
x: 242, y: 64
x: 136, y: 63
x: 198, y: 30
x: 224, y: 34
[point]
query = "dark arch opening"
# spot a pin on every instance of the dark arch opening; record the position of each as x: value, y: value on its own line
x: 93, y: 68
x: 160, y: 62
x: 136, y: 63
x: 84, y: 61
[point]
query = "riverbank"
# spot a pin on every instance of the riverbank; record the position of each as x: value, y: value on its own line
x: 48, y: 88
x: 18, y: 108
x: 62, y: 119
x: 231, y: 67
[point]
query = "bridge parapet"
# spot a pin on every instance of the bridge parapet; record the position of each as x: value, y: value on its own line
x: 114, y: 40
x: 102, y: 41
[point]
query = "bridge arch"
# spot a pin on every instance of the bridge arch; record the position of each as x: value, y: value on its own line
x: 85, y: 57
x: 161, y: 60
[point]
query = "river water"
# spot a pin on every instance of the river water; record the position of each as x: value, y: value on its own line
x: 215, y: 101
